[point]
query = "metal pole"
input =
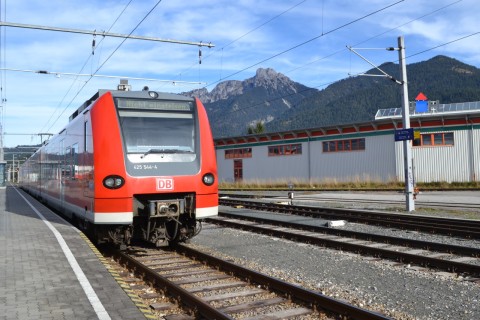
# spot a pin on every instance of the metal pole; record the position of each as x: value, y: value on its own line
x: 102, y: 33
x: 13, y: 166
x: 407, y: 147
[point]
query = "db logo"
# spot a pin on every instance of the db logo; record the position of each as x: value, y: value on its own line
x: 164, y: 184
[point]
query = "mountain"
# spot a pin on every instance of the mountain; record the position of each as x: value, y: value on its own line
x: 357, y: 99
x: 233, y: 105
x: 281, y: 104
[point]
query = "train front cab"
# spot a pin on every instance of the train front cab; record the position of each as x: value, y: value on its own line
x: 167, y: 180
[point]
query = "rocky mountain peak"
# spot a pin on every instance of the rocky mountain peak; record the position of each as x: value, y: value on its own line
x: 266, y: 74
x: 266, y: 78
x: 271, y: 80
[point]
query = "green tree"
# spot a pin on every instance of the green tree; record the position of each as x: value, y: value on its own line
x: 259, y: 127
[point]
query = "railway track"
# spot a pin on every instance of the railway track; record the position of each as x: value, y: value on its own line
x: 419, y: 203
x: 447, y: 226
x: 323, y: 199
x: 213, y: 288
x: 445, y: 257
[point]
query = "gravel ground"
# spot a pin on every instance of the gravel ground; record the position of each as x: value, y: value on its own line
x: 392, y: 232
x: 400, y: 291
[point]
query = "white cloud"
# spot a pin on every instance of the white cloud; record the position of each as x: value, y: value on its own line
x: 221, y: 22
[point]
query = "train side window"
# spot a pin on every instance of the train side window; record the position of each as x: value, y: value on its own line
x: 74, y: 160
x: 66, y: 168
x: 85, y: 140
x: 70, y: 162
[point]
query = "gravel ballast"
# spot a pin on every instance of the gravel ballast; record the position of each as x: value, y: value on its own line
x: 398, y: 290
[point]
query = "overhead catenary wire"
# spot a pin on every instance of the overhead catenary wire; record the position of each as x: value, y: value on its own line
x: 333, y: 81
x: 358, y: 43
x: 444, y: 44
x: 125, y: 37
x: 375, y: 36
x: 299, y: 45
x: 327, y: 56
x: 242, y: 36
x: 97, y: 52
x: 3, y: 78
x: 309, y: 40
x: 56, y: 73
x: 104, y: 62
x: 83, y: 67
x: 292, y: 48
x: 3, y: 56
x: 104, y: 33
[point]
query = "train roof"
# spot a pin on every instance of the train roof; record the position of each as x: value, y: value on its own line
x: 144, y: 94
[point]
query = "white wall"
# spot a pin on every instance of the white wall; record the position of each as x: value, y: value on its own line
x: 276, y: 167
x: 382, y: 160
x: 442, y: 163
x: 475, y: 145
x: 224, y: 166
x: 376, y: 162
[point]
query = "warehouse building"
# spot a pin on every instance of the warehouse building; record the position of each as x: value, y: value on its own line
x: 446, y: 148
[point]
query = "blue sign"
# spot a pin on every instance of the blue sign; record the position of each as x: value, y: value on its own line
x: 404, y: 134
x: 421, y: 106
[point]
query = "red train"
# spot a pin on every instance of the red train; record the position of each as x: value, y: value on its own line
x: 130, y: 164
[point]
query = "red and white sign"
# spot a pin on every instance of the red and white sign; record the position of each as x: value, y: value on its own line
x: 164, y: 183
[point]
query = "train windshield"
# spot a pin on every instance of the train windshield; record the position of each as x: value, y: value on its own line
x: 159, y: 127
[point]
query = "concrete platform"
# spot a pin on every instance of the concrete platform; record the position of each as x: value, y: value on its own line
x: 48, y: 269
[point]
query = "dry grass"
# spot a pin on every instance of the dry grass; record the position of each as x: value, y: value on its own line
x: 355, y: 183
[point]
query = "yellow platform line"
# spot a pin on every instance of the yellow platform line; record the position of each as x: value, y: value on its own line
x: 126, y: 288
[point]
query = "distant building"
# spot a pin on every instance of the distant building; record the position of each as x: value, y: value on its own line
x: 447, y: 149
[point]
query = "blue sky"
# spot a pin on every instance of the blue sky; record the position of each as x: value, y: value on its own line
x: 304, y: 39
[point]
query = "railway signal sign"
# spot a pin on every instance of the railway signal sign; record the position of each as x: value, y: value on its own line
x: 404, y: 134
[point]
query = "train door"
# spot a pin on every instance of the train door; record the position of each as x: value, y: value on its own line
x: 62, y: 173
x: 238, y: 170
x: 69, y: 173
x: 87, y: 164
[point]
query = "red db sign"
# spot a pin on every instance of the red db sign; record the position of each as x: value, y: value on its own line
x: 164, y: 184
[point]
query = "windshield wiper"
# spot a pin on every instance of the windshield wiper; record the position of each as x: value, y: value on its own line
x: 165, y: 151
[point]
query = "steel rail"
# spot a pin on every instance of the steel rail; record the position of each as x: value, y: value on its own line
x: 419, y: 203
x: 444, y: 220
x: 448, y: 226
x: 317, y: 239
x: 198, y: 305
x: 411, y: 243
x: 293, y: 291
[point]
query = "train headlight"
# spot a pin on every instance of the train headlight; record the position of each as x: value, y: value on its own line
x: 153, y: 94
x: 113, y: 182
x: 208, y: 179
